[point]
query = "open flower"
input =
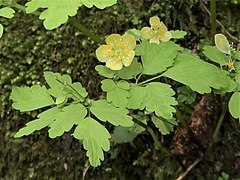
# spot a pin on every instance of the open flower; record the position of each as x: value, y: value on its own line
x: 119, y: 51
x: 157, y: 32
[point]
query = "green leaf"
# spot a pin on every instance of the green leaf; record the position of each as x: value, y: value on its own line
x: 44, y: 119
x: 222, y: 43
x: 134, y: 32
x: 137, y: 95
x: 1, y: 30
x: 157, y: 58
x: 7, y: 12
x: 132, y: 71
x: 159, y: 99
x: 215, y: 55
x: 101, y: 4
x: 104, y: 71
x: 237, y: 55
x: 64, y: 120
x: 200, y: 76
x: 164, y: 126
x: 122, y: 135
x: 30, y: 98
x: 62, y: 86
x: 95, y: 139
x: 234, y: 105
x: 178, y: 34
x: 107, y: 112
x: 116, y: 93
x: 57, y: 11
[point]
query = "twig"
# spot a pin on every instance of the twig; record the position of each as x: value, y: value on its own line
x: 220, y: 24
x: 190, y: 168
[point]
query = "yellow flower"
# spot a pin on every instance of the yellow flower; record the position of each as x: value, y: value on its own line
x: 157, y: 32
x: 119, y: 51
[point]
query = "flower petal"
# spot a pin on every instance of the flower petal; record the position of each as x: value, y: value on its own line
x: 102, y: 53
x: 127, y: 60
x: 154, y: 22
x: 114, y: 65
x: 129, y: 40
x: 114, y: 40
x: 166, y: 37
x: 155, y: 39
x: 146, y: 33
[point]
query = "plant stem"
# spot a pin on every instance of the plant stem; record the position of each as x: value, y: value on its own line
x: 86, y: 31
x: 219, y: 123
x: 182, y: 120
x: 148, y: 80
x: 213, y: 19
x: 72, y: 20
x: 158, y: 143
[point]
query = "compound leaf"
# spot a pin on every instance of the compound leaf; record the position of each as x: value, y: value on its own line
x: 44, y: 119
x: 64, y: 120
x: 95, y: 139
x: 159, y: 99
x: 30, y: 98
x: 157, y: 58
x: 101, y: 4
x: 7, y: 12
x: 57, y: 11
x: 200, y: 76
x: 215, y: 55
x: 107, y: 112
x: 234, y: 105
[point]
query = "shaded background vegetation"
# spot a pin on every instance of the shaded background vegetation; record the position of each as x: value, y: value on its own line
x: 27, y: 49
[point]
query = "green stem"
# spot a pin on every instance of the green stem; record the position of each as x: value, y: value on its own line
x: 151, y: 79
x: 86, y: 31
x: 159, y: 145
x: 213, y: 19
x: 219, y: 123
x: 73, y: 20
x: 182, y: 120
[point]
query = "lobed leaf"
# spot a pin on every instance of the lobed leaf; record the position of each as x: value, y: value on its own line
x: 56, y: 13
x: 122, y: 135
x: 107, y: 112
x: 137, y: 95
x: 70, y: 115
x: 165, y: 126
x: 200, y: 76
x: 104, y: 71
x: 30, y: 98
x: 117, y: 93
x: 215, y: 55
x: 101, y: 4
x: 157, y: 58
x: 95, y: 139
x: 44, y: 119
x: 159, y: 99
x: 7, y: 12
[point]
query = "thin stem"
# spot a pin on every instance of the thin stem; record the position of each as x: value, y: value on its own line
x: 213, y: 19
x: 148, y: 80
x: 182, y: 120
x: 72, y: 20
x: 219, y: 123
x: 158, y: 143
x: 86, y: 31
